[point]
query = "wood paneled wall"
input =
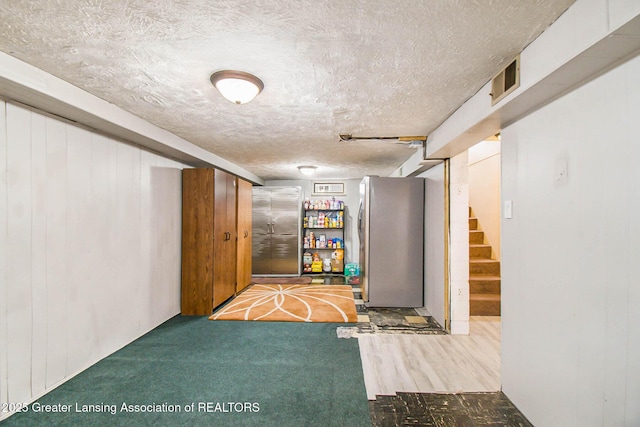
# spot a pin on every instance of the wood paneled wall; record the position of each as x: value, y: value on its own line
x: 89, y: 248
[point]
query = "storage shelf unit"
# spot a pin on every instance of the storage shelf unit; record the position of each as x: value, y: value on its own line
x: 323, y: 238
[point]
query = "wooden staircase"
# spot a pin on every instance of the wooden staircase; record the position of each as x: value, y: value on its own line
x: 484, y: 274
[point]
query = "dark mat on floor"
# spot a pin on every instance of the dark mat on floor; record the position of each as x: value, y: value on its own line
x: 397, y: 320
x: 193, y: 372
x: 446, y: 410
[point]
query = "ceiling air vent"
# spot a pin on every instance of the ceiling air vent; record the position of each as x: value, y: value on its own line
x: 506, y: 81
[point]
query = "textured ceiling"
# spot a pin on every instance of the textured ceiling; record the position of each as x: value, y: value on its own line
x: 365, y: 67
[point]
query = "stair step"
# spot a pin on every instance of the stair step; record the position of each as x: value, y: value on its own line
x: 480, y: 251
x: 485, y: 277
x: 476, y: 236
x: 484, y: 274
x: 484, y: 266
x: 484, y: 284
x: 484, y: 305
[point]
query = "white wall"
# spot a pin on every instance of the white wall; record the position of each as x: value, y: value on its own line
x: 89, y: 248
x: 570, y: 275
x: 459, y: 243
x: 434, y: 247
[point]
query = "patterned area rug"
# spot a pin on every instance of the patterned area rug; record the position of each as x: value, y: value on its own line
x: 291, y: 303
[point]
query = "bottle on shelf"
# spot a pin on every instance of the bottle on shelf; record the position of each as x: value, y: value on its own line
x: 316, y: 205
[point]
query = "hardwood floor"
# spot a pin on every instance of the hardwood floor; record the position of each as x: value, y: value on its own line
x: 433, y: 363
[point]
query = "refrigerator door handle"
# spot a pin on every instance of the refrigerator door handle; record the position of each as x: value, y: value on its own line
x: 360, y: 215
x: 273, y: 227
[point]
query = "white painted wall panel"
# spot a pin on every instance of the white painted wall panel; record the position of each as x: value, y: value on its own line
x: 128, y: 254
x: 164, y: 178
x: 3, y: 254
x: 616, y: 165
x: 571, y: 315
x: 38, y: 252
x: 434, y: 266
x: 90, y: 232
x: 459, y: 243
x: 632, y: 387
x: 98, y: 234
x: 19, y: 296
x: 146, y: 248
x: 81, y: 336
x: 56, y: 207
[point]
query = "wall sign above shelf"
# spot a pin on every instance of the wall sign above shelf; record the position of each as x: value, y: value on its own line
x: 328, y: 188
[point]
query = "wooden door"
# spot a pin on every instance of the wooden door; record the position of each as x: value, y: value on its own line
x: 244, y: 219
x: 232, y: 229
x: 224, y: 271
x: 197, y: 241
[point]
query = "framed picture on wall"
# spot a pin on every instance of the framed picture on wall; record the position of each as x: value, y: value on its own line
x: 328, y: 188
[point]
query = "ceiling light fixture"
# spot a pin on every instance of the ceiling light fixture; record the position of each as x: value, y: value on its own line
x: 237, y: 86
x: 410, y: 141
x: 307, y: 170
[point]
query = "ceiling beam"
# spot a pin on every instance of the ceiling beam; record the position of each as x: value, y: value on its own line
x: 476, y: 120
x: 35, y: 88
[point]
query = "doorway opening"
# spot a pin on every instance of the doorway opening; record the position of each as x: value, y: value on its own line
x: 484, y: 228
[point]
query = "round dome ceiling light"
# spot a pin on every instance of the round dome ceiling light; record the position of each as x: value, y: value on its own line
x: 307, y: 170
x: 237, y: 86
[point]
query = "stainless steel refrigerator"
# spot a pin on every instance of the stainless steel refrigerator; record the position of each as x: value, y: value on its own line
x: 276, y: 230
x: 391, y: 232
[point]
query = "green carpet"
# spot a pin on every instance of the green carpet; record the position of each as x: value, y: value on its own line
x: 228, y: 373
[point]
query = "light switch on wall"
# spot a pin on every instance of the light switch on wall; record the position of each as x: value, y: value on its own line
x: 508, y: 209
